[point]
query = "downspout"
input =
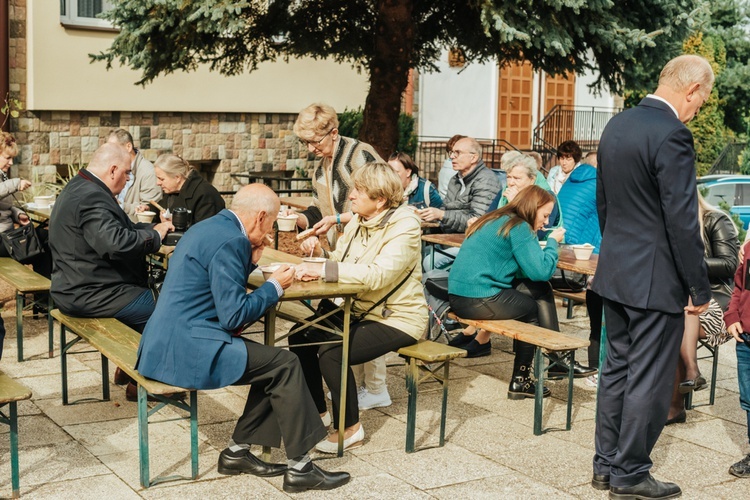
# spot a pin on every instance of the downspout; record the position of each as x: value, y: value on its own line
x: 4, y: 55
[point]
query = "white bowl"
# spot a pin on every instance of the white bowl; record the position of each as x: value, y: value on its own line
x: 272, y: 268
x: 44, y: 201
x: 146, y: 216
x: 583, y: 252
x: 287, y: 222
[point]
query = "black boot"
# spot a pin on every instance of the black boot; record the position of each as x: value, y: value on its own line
x: 521, y: 385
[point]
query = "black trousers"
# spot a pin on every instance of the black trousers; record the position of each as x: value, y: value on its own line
x: 635, y: 389
x: 528, y: 301
x: 367, y: 340
x: 279, y: 405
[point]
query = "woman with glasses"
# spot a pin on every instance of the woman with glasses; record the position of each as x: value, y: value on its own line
x: 418, y: 191
x: 317, y: 129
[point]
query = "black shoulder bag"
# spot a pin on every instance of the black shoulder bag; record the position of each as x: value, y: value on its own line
x: 21, y: 243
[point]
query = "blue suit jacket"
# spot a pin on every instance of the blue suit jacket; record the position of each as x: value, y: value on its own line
x: 188, y: 341
x: 651, y: 253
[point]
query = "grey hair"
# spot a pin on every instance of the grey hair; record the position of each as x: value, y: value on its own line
x: 508, y: 158
x: 685, y: 70
x: 524, y: 162
x: 122, y: 136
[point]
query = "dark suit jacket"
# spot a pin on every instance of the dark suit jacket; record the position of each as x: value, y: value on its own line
x: 651, y: 254
x: 188, y: 341
x: 99, y: 255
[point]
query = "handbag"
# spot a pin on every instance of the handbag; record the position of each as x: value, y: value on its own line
x: 22, y: 243
x: 573, y: 282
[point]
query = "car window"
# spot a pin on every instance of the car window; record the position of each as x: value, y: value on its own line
x: 721, y: 193
x: 743, y: 194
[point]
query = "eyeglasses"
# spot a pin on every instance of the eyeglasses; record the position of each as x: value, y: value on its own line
x: 315, y: 144
x: 456, y: 153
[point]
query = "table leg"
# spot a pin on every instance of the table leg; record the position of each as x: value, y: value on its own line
x: 344, y: 373
x: 269, y: 338
x: 20, y: 302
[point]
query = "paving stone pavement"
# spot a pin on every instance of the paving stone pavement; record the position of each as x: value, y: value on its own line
x: 90, y: 450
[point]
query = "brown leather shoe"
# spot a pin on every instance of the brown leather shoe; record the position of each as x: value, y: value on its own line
x: 131, y: 394
x: 122, y: 378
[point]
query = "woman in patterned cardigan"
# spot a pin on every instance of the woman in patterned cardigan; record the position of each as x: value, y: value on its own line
x: 317, y: 129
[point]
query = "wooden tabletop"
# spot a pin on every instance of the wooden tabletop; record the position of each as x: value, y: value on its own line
x: 568, y: 262
x: 300, y: 290
x: 300, y: 202
x: 447, y: 239
x: 430, y: 225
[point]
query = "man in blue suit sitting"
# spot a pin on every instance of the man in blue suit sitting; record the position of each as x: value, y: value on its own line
x: 192, y: 340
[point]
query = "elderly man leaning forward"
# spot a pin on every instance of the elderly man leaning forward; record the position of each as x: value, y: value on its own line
x: 192, y: 340
x: 651, y: 272
x: 470, y: 193
x: 142, y: 184
x: 99, y: 255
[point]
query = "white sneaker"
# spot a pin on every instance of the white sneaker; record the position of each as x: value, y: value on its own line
x: 326, y: 419
x: 592, y: 380
x: 356, y: 439
x: 368, y: 400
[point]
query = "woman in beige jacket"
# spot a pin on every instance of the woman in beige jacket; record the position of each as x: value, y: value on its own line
x: 380, y: 248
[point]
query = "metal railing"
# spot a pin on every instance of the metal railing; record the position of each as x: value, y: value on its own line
x: 728, y: 161
x: 583, y: 124
x: 431, y: 154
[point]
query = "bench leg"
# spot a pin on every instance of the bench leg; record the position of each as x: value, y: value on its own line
x: 194, y: 432
x: 64, y: 364
x: 571, y: 363
x: 570, y: 309
x: 412, y: 381
x: 444, y: 409
x: 143, y: 436
x: 20, y: 302
x: 105, y: 378
x: 50, y: 325
x: 539, y: 391
x: 14, y: 471
x: 714, y: 372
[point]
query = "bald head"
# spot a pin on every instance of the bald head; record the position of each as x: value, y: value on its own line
x: 255, y: 198
x: 111, y: 164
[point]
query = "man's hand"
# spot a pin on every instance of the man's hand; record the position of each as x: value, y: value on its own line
x: 284, y: 275
x: 23, y: 185
x: 695, y: 310
x: 163, y: 228
x: 736, y: 330
x: 23, y: 219
x: 430, y: 214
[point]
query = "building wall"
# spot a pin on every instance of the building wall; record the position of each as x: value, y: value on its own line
x: 226, y: 124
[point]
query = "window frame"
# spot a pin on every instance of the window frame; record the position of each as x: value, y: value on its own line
x: 69, y: 17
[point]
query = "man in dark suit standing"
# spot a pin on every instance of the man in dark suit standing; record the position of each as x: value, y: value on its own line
x: 192, y: 340
x: 650, y: 272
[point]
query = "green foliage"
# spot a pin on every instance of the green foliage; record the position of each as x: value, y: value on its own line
x: 10, y: 109
x: 745, y: 161
x: 736, y: 219
x: 350, y: 121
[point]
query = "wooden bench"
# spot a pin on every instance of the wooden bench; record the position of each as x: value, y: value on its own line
x: 564, y: 346
x: 573, y: 298
x: 11, y: 392
x: 429, y: 353
x: 119, y: 343
x: 24, y: 280
x: 425, y: 351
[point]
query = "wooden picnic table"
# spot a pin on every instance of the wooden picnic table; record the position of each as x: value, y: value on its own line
x: 299, y: 202
x: 306, y: 291
x: 568, y: 262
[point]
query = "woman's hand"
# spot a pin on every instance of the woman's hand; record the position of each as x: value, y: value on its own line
x: 141, y: 208
x: 510, y: 192
x: 311, y: 244
x: 23, y: 219
x: 165, y: 216
x: 23, y: 185
x: 309, y: 271
x: 557, y: 234
x: 736, y: 330
x: 325, y: 224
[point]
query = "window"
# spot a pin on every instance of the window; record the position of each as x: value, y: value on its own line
x: 721, y: 193
x: 83, y: 13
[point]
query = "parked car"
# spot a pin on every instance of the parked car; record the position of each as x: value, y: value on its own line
x: 734, y: 190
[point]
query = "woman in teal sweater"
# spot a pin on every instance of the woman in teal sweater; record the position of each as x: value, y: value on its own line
x: 502, y: 273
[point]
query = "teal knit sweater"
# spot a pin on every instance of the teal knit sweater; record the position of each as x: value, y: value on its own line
x: 488, y: 262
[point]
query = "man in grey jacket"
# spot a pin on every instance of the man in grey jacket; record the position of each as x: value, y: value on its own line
x: 142, y: 184
x: 470, y: 193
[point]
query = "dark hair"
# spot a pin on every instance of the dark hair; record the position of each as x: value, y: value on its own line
x: 570, y: 148
x: 406, y: 161
x: 452, y: 142
x: 523, y: 208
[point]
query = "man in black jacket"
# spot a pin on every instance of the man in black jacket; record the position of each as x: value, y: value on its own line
x: 99, y: 255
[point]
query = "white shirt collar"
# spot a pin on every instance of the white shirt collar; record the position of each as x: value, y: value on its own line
x: 674, y: 110
x: 242, y: 226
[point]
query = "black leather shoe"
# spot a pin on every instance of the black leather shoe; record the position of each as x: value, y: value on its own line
x: 560, y: 370
x: 647, y: 489
x: 680, y: 418
x: 476, y: 350
x: 523, y: 387
x: 247, y: 463
x: 460, y: 340
x: 600, y: 482
x: 695, y: 384
x: 313, y: 478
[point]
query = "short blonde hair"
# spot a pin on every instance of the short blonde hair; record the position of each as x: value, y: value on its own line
x: 173, y: 165
x: 8, y: 144
x: 378, y: 180
x: 315, y: 120
x: 685, y: 70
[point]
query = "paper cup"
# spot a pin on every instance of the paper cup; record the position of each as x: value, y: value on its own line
x: 287, y: 222
x: 146, y: 216
x: 44, y: 201
x: 583, y: 252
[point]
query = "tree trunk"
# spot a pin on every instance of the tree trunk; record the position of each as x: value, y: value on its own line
x: 389, y: 74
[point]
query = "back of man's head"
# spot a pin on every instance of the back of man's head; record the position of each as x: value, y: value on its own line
x: 120, y: 135
x: 255, y: 198
x: 683, y: 71
x: 107, y: 155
